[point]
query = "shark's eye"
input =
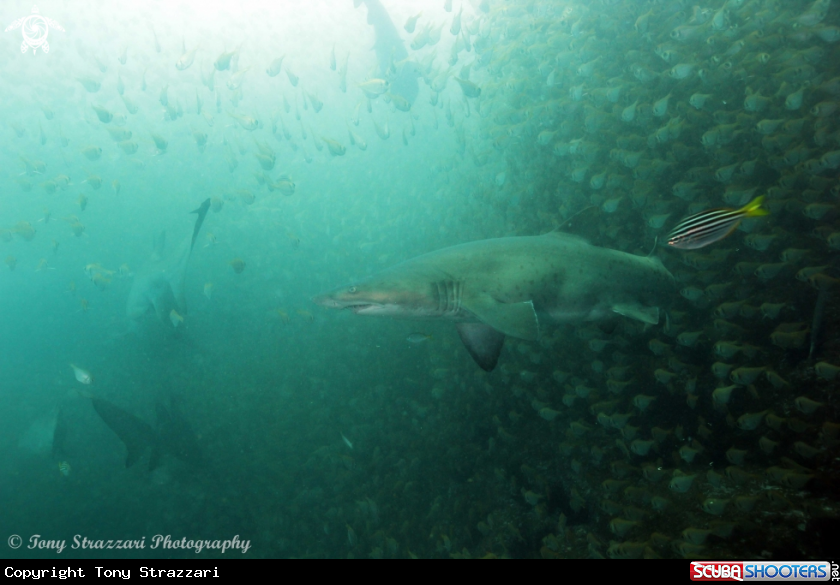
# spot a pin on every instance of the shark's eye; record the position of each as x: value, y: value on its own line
x: 352, y: 290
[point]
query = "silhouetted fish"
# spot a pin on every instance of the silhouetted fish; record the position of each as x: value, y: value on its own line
x: 159, y: 284
x: 390, y: 49
x: 173, y: 435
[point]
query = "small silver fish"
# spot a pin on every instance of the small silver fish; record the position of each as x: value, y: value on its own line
x: 82, y: 376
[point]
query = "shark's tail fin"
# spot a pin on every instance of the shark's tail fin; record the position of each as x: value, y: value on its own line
x: 202, y: 213
x: 135, y: 434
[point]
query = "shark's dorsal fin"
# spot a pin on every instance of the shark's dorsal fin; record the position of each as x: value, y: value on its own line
x: 580, y: 224
x: 514, y: 319
x: 483, y: 342
x: 565, y: 236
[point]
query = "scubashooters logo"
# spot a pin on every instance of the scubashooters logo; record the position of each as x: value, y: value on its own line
x: 35, y: 29
x: 760, y: 571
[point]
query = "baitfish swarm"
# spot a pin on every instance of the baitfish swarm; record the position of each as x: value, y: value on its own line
x: 696, y: 439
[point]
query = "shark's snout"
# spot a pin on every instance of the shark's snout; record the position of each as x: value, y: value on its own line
x: 327, y: 300
x: 320, y: 300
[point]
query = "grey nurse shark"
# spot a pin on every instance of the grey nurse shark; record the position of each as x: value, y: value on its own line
x: 160, y: 283
x: 390, y: 50
x: 510, y: 287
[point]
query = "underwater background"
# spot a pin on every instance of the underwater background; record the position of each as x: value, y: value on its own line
x: 334, y: 141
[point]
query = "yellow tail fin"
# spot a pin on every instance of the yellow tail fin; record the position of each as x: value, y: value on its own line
x: 754, y: 209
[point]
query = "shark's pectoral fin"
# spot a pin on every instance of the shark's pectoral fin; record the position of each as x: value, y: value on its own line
x: 483, y: 342
x: 514, y: 319
x: 635, y: 311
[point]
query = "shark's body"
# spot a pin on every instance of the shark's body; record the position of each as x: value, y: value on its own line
x: 160, y: 283
x: 508, y: 286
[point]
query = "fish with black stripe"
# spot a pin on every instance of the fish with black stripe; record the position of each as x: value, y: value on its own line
x: 707, y: 227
